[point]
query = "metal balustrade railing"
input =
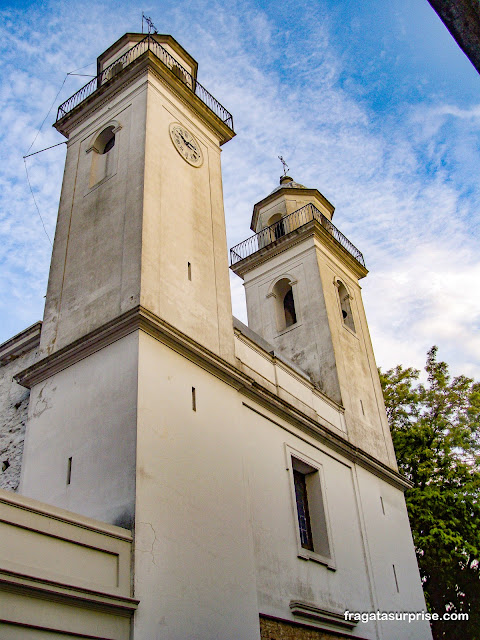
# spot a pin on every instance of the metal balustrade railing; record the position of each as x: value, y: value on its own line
x: 276, y: 232
x: 148, y: 43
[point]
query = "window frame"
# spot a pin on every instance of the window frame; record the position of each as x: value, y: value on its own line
x: 348, y: 296
x: 319, y: 517
x: 278, y: 309
x: 108, y: 160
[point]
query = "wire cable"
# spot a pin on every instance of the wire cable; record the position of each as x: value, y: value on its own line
x: 27, y: 155
x: 36, y: 205
x: 46, y: 149
x: 51, y: 107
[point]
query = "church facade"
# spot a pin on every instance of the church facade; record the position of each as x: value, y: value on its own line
x: 168, y: 472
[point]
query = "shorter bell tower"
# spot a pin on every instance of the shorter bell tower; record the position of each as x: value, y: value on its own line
x: 301, y: 278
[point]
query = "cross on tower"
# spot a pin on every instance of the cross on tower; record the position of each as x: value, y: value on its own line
x: 285, y: 165
x: 150, y: 26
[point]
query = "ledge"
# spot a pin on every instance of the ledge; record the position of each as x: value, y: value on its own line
x: 21, y: 343
x: 13, y: 499
x: 67, y: 594
x: 310, y: 230
x: 312, y: 612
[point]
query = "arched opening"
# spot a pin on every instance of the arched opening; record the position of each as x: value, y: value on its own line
x: 286, y: 314
x: 105, y: 141
x: 345, y: 307
x: 277, y: 227
x: 103, y: 161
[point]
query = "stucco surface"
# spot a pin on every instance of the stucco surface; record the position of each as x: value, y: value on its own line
x: 87, y: 412
x: 13, y: 411
x: 62, y: 575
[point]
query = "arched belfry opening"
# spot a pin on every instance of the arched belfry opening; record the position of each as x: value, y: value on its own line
x: 103, y: 155
x: 277, y: 227
x: 285, y: 311
x: 345, y: 307
x: 105, y: 141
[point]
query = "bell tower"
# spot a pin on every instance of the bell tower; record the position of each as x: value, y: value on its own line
x: 301, y: 278
x: 141, y: 220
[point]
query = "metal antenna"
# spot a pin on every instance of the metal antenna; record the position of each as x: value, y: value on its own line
x: 150, y: 26
x: 285, y: 165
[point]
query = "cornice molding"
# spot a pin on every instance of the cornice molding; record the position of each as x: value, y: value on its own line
x: 312, y: 612
x: 67, y: 594
x: 144, y: 63
x: 37, y: 508
x: 21, y: 343
x: 140, y: 318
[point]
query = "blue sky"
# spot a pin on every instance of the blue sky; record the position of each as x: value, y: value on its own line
x: 370, y: 102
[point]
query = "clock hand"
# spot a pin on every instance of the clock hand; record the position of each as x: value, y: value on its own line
x: 188, y: 144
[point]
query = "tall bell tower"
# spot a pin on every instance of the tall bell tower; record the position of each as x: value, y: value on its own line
x: 141, y: 218
x: 301, y: 277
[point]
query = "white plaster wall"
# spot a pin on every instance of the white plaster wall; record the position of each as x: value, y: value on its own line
x: 390, y: 543
x: 87, y: 412
x: 277, y: 377
x: 184, y: 222
x: 95, y: 268
x: 308, y: 343
x: 340, y: 361
x: 215, y: 521
x: 194, y: 568
x: 281, y: 575
x: 128, y: 239
x: 365, y: 542
x: 357, y: 371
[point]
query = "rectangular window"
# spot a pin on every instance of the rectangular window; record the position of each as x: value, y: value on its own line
x: 69, y: 470
x: 303, y: 513
x: 194, y: 399
x: 313, y: 537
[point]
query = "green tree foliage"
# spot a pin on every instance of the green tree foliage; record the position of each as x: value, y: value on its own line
x: 436, y: 434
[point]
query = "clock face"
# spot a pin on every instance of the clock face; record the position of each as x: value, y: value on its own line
x: 186, y: 145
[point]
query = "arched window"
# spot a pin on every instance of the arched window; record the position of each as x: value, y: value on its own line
x: 286, y: 315
x: 345, y: 307
x: 278, y: 228
x: 103, y: 155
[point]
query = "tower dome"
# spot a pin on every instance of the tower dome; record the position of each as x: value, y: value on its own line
x: 285, y: 199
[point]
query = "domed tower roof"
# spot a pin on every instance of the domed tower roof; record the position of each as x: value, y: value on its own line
x: 286, y: 182
x: 290, y: 190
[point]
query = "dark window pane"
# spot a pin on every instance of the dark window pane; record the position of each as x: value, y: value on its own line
x: 289, y: 308
x: 302, y: 510
x: 279, y: 229
x: 110, y: 144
